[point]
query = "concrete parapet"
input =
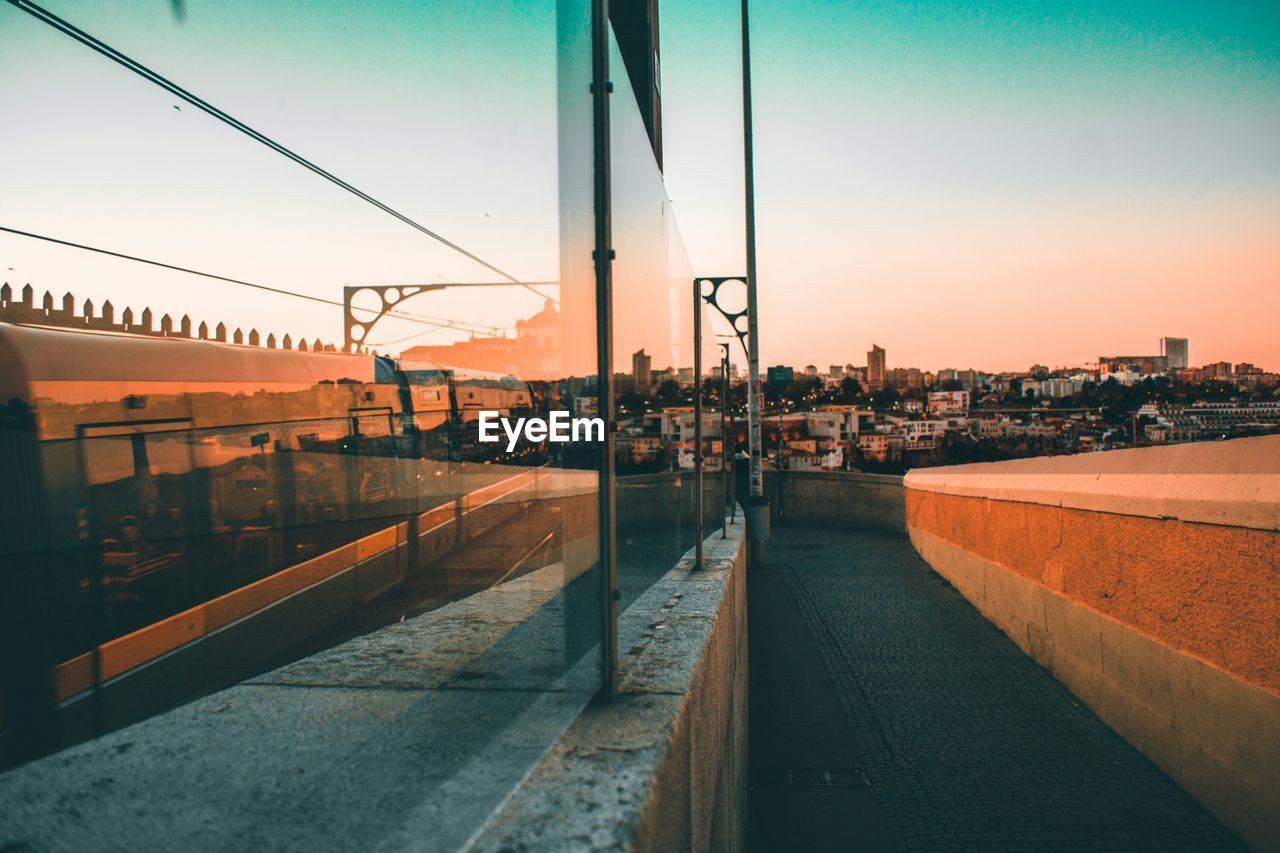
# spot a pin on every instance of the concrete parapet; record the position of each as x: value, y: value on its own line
x: 663, y: 765
x: 663, y: 501
x: 837, y: 498
x: 1151, y: 589
x: 458, y: 728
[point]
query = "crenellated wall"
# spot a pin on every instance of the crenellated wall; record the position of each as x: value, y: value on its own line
x: 1148, y: 582
x: 22, y: 308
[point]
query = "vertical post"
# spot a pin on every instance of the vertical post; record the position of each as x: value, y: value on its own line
x: 697, y: 423
x: 757, y: 515
x: 753, y: 313
x: 603, y: 256
x: 724, y: 441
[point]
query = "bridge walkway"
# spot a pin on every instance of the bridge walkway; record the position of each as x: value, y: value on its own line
x: 886, y: 713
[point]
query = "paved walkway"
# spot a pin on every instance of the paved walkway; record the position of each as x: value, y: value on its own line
x: 964, y: 742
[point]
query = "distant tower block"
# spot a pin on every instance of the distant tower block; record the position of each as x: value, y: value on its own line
x: 1176, y: 352
x: 876, y: 361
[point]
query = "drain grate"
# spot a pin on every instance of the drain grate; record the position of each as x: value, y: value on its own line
x: 818, y: 778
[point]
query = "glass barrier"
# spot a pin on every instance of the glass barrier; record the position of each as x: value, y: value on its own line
x: 194, y: 463
x: 654, y: 380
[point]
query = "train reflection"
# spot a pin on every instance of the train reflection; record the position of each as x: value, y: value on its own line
x: 164, y: 494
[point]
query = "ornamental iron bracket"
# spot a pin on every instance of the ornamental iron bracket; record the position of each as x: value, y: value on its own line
x: 709, y: 289
x: 355, y: 330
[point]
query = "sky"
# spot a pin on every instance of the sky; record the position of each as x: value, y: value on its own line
x: 989, y: 184
x: 971, y: 184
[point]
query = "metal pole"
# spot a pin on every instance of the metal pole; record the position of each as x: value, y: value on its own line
x: 753, y: 312
x: 697, y: 423
x: 724, y: 442
x: 603, y: 256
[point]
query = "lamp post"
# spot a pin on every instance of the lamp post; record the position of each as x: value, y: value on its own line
x: 758, y: 512
x: 725, y: 456
x: 697, y: 424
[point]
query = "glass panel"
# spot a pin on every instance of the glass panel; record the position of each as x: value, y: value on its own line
x: 654, y: 382
x: 276, y: 496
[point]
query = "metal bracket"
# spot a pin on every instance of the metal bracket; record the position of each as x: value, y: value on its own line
x: 713, y: 299
x: 355, y: 331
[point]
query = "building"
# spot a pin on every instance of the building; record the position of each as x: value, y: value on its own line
x: 836, y: 372
x: 639, y: 449
x: 967, y: 379
x: 875, y: 446
x: 1175, y: 352
x: 676, y: 424
x: 839, y: 423
x: 903, y: 378
x: 642, y: 372
x: 876, y: 360
x: 948, y: 402
x: 780, y: 375
x: 1144, y: 365
x: 921, y: 435
x: 533, y: 353
x: 811, y: 370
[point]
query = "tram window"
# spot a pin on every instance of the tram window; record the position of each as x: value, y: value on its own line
x: 108, y: 459
x: 138, y: 484
x: 372, y: 426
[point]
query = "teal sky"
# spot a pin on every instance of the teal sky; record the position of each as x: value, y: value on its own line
x: 966, y: 184
x: 990, y: 184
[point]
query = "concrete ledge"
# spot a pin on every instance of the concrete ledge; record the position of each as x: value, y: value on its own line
x: 1165, y: 625
x: 1235, y: 482
x: 665, y: 500
x: 838, y: 499
x: 662, y: 766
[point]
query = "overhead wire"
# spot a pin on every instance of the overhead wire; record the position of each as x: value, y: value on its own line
x: 138, y: 68
x: 440, y: 323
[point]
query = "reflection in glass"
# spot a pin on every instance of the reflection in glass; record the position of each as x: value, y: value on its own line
x: 182, y: 513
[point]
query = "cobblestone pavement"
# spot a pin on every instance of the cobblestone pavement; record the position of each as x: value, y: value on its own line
x: 968, y: 744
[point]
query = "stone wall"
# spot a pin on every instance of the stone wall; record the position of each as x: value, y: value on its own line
x: 1148, y: 582
x: 664, y: 765
x: 836, y: 498
x: 649, y: 501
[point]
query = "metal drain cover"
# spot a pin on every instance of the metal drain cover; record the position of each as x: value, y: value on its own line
x: 818, y: 778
